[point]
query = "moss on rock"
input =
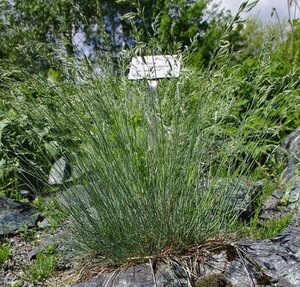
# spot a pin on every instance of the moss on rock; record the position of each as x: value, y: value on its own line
x: 213, y: 280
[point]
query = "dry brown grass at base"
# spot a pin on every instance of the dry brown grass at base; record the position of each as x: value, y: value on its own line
x: 187, y: 260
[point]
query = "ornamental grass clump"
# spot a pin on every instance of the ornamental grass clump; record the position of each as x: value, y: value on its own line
x: 150, y: 165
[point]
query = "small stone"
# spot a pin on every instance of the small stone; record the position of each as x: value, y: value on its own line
x: 271, y: 203
x: 41, y: 246
x: 44, y: 224
x: 25, y: 192
x: 277, y: 193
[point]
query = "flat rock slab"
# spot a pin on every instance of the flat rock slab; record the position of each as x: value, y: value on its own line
x: 279, y: 257
x: 15, y: 216
x: 272, y: 262
x: 137, y: 276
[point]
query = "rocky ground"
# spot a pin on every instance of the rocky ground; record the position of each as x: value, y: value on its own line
x: 24, y: 248
x: 272, y: 262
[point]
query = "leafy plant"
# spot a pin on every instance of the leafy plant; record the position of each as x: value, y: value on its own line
x: 42, y: 267
x: 51, y: 209
x: 4, y: 253
x: 269, y: 228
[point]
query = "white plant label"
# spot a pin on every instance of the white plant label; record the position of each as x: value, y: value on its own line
x: 154, y: 67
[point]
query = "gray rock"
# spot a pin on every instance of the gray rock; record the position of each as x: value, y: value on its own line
x: 41, y: 247
x: 274, y: 207
x: 272, y: 202
x: 44, y: 224
x: 243, y: 193
x: 245, y: 197
x: 292, y: 194
x: 140, y: 276
x: 279, y: 257
x: 292, y: 145
x: 59, y: 172
x: 136, y: 276
x: 290, y: 177
x: 289, y: 173
x: 277, y: 194
x: 15, y: 216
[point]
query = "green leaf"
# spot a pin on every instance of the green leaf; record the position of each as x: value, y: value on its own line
x: 52, y: 148
x: 53, y: 75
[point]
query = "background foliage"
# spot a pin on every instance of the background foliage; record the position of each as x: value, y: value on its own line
x: 232, y: 106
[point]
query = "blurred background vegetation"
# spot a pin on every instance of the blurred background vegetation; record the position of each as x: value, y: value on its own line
x: 38, y: 38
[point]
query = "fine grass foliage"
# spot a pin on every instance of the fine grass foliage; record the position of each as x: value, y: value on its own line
x: 150, y: 163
